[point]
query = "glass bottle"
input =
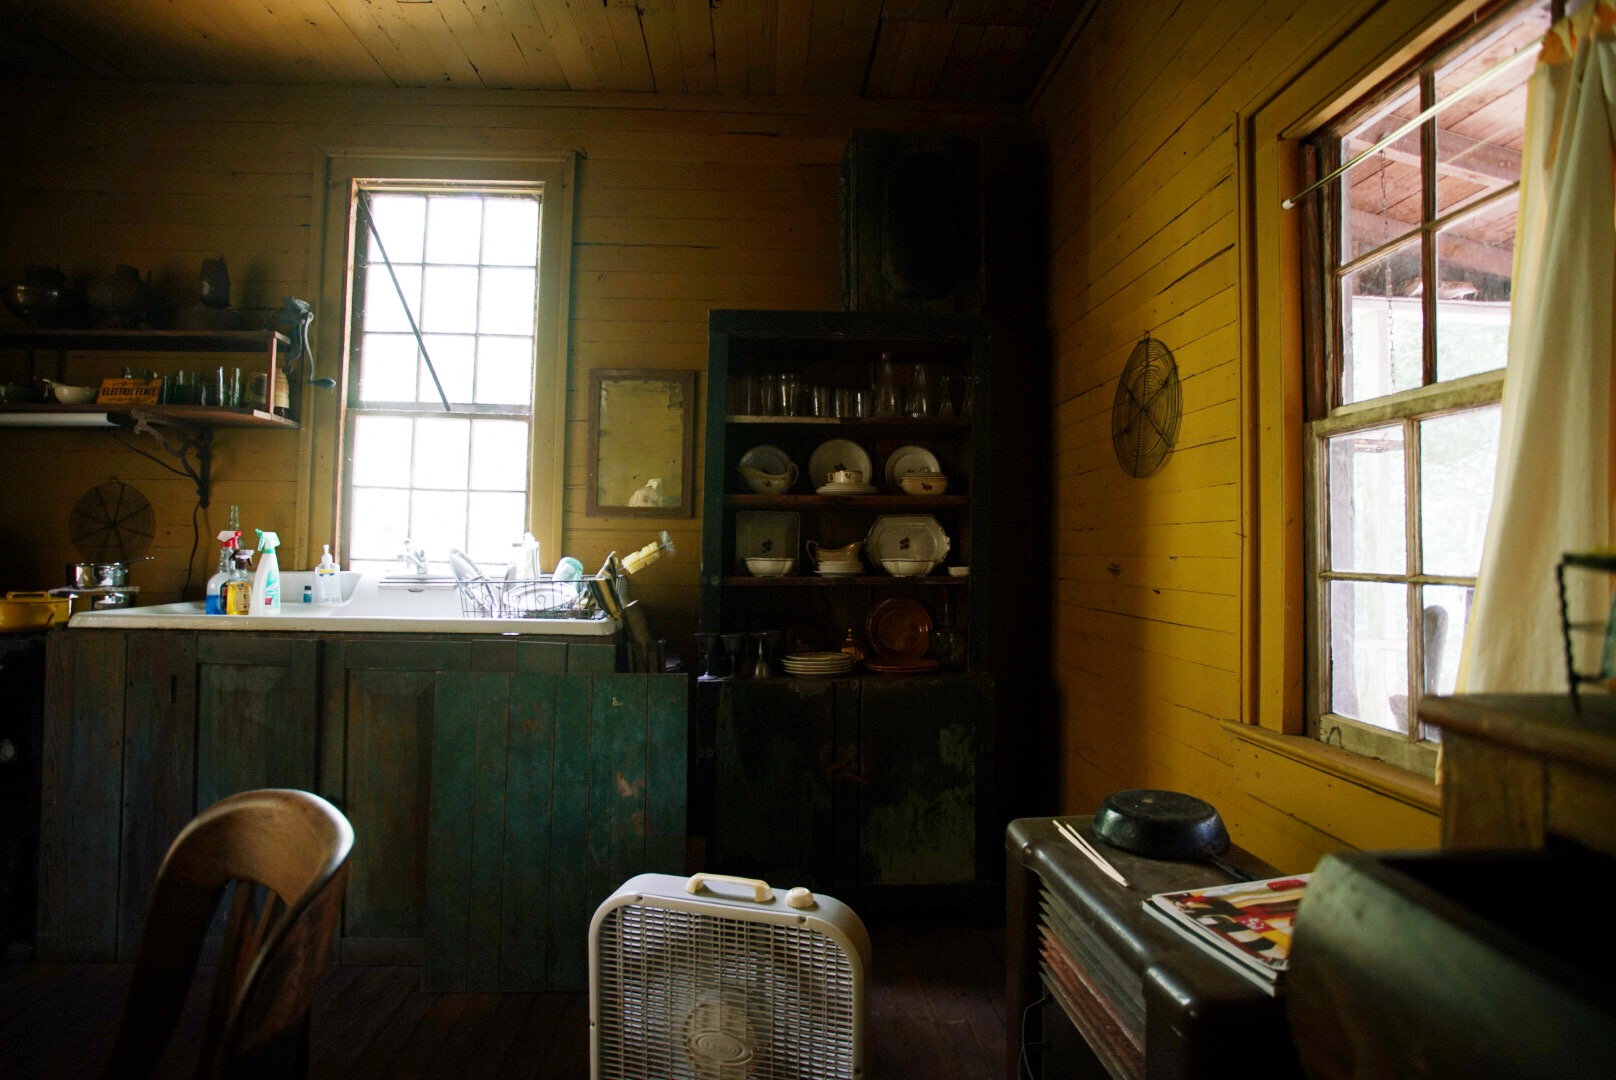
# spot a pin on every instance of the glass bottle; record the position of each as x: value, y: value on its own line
x: 237, y: 591
x: 851, y: 646
x: 886, y: 388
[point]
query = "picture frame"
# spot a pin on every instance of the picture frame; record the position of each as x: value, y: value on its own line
x: 642, y: 443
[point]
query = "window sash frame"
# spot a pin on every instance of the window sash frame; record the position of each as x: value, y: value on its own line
x: 325, y: 447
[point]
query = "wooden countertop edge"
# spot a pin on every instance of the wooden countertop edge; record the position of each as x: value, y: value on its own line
x: 1377, y: 776
x: 1543, y: 725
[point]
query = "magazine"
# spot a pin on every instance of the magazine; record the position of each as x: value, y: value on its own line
x: 1246, y: 925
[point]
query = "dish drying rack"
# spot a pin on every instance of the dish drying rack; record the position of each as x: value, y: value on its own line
x: 524, y: 598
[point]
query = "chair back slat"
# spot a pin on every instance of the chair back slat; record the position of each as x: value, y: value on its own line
x: 286, y: 854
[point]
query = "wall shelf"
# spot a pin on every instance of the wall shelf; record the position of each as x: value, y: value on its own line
x: 185, y: 432
x: 46, y: 415
x: 915, y: 503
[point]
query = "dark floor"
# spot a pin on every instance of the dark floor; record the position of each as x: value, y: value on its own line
x: 936, y: 1011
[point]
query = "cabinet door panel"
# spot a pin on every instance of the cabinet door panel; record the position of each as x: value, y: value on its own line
x: 775, y: 756
x: 159, y: 767
x: 255, y: 709
x: 385, y: 692
x: 530, y: 809
x: 917, y: 754
x: 80, y: 795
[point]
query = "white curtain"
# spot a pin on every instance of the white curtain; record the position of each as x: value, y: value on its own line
x: 1553, y: 489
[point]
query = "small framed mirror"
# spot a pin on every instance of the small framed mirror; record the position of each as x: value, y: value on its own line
x: 642, y: 441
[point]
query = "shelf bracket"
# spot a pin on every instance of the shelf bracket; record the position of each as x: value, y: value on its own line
x: 182, y: 442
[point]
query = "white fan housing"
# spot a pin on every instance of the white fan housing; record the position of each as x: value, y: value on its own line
x: 689, y: 982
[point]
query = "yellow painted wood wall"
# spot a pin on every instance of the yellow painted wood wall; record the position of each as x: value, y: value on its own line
x: 678, y: 210
x: 1140, y: 121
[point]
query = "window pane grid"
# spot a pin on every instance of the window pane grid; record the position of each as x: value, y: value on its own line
x: 1414, y: 274
x: 467, y: 261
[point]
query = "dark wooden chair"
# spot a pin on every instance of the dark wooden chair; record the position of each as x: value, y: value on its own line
x: 286, y: 853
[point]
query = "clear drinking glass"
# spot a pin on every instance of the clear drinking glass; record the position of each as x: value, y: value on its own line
x: 918, y: 401
x: 885, y: 402
x: 790, y: 395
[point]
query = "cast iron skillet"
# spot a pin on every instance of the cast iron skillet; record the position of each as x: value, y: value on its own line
x: 1165, y: 825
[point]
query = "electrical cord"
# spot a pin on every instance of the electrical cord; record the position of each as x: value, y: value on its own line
x: 1023, y: 1065
x: 196, y: 531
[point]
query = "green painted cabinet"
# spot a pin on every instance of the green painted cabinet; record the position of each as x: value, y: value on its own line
x: 496, y: 797
x: 865, y: 787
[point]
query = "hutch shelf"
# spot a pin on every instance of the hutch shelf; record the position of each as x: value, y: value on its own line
x: 895, y: 770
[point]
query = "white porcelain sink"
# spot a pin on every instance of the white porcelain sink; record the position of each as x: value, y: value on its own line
x: 403, y: 605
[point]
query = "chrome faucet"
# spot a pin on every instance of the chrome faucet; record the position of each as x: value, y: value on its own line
x: 413, y: 557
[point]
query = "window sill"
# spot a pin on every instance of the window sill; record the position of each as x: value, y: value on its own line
x: 1380, y: 778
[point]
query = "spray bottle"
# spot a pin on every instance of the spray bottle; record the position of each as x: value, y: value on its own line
x: 214, y: 604
x: 266, y: 591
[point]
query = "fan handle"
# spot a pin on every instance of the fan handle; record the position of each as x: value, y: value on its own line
x: 761, y: 893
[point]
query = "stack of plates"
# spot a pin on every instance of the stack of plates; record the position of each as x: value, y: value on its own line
x: 845, y: 489
x: 820, y: 664
x: 841, y: 568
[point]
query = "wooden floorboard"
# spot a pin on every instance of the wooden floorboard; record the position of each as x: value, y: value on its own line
x: 936, y: 998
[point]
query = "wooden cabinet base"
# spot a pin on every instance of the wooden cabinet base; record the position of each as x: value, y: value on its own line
x: 494, y: 805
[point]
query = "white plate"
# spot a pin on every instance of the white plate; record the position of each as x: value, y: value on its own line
x: 837, y: 454
x: 846, y: 489
x: 766, y: 534
x: 768, y: 459
x: 906, y: 536
x: 907, y: 459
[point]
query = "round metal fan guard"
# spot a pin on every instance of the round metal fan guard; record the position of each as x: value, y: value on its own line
x: 112, y: 522
x: 1147, y: 409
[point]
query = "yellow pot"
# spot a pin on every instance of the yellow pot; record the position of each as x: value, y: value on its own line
x: 24, y: 611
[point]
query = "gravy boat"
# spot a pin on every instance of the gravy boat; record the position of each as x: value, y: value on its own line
x: 763, y: 483
x: 850, y: 553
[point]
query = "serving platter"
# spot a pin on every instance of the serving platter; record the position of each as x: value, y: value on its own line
x: 906, y: 536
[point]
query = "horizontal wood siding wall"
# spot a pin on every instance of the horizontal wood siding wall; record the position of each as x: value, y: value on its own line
x: 1140, y: 120
x: 714, y: 204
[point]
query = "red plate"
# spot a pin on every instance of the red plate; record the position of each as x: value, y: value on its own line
x: 898, y: 626
x: 899, y: 665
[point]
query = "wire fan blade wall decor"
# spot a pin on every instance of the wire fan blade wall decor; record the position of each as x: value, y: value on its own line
x: 1147, y: 409
x: 716, y: 988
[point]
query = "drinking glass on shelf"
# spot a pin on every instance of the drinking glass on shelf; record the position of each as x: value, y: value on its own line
x: 918, y: 401
x: 819, y: 401
x: 885, y: 402
x: 945, y: 397
x: 790, y: 395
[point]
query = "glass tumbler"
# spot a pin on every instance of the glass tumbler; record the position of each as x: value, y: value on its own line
x: 918, y: 400
x: 885, y: 393
x: 790, y: 395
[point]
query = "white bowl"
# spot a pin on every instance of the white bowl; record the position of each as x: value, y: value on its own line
x: 759, y: 567
x: 74, y: 395
x: 908, y: 567
x: 959, y: 571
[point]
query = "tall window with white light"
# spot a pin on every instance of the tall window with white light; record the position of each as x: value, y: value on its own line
x: 1408, y: 327
x: 444, y: 284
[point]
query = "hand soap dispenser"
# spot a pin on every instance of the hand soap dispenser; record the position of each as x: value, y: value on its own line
x: 327, y: 584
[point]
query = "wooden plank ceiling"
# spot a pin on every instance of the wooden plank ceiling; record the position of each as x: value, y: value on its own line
x: 987, y: 51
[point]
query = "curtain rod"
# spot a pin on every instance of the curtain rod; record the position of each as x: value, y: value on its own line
x: 1458, y: 95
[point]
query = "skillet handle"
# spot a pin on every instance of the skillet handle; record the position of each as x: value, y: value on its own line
x: 1226, y: 866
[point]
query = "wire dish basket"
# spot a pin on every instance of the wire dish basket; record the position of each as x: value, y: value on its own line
x: 523, y: 598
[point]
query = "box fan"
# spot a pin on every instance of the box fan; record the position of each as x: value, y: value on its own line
x: 689, y: 981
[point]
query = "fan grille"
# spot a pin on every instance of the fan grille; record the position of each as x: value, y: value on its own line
x: 692, y: 996
x: 1147, y: 409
